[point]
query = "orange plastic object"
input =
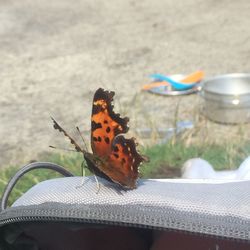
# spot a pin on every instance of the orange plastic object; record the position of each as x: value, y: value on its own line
x: 155, y: 84
x: 192, y: 78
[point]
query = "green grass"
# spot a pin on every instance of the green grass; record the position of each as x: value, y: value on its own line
x: 174, y: 155
x: 169, y: 155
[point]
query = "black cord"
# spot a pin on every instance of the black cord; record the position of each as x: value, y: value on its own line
x: 35, y: 165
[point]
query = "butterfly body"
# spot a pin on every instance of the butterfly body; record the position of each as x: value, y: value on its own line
x: 114, y: 157
x: 94, y: 164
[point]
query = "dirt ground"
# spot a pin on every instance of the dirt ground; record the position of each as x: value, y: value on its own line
x: 55, y: 54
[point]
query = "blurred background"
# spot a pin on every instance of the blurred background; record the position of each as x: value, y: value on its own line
x: 55, y: 54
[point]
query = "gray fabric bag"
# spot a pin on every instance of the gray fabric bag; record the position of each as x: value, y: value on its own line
x: 219, y: 209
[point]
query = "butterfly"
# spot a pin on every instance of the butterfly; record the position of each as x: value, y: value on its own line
x: 114, y: 157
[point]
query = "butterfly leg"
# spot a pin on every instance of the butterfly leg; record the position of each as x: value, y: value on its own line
x: 97, y: 185
x: 83, y: 174
x: 83, y: 166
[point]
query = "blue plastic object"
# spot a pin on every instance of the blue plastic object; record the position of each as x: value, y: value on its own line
x: 176, y: 85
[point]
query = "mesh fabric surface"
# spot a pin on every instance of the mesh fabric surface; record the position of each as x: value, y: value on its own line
x: 213, y: 208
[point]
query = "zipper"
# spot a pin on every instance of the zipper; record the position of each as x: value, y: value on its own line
x: 114, y: 223
x: 78, y: 220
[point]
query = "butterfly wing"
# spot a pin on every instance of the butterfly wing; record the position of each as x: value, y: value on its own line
x: 105, y: 123
x: 58, y: 127
x: 118, y: 159
x: 123, y: 162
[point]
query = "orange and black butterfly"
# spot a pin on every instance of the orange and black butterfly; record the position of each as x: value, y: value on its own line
x: 114, y: 157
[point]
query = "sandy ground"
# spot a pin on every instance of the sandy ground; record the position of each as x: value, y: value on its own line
x: 55, y: 54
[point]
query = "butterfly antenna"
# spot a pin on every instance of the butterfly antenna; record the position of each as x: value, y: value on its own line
x: 65, y: 149
x: 86, y: 148
x: 58, y: 127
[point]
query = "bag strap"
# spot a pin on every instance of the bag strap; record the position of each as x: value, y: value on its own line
x: 25, y: 169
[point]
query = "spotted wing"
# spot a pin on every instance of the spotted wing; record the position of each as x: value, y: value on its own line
x: 122, y: 165
x: 105, y: 123
x: 58, y: 127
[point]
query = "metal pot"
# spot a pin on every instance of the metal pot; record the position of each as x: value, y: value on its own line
x: 227, y: 98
